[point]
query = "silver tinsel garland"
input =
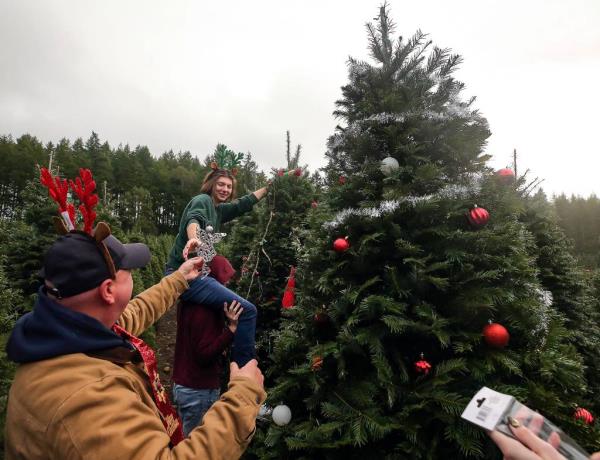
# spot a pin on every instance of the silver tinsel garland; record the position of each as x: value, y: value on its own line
x: 541, y: 330
x: 450, y: 192
x: 449, y: 112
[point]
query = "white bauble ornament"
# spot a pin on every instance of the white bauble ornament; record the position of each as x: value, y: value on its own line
x: 209, y: 228
x: 389, y: 165
x: 281, y: 415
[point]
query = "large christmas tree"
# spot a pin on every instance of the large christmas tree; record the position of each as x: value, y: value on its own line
x: 385, y: 348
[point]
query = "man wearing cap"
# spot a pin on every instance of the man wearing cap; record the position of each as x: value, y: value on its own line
x: 87, y: 387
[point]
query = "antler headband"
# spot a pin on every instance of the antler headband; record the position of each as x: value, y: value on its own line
x: 84, y: 187
x: 226, y: 159
x: 57, y: 189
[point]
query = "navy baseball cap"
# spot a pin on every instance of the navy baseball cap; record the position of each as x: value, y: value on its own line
x: 76, y: 262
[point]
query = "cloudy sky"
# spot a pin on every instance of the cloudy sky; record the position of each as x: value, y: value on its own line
x: 184, y: 75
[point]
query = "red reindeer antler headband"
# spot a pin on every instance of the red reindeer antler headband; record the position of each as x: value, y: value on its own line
x: 84, y: 187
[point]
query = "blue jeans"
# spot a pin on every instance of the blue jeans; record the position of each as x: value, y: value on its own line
x: 209, y: 293
x: 192, y: 404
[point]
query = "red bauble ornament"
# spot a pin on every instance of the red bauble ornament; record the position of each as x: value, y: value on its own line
x: 317, y: 363
x: 584, y: 415
x: 422, y: 366
x: 298, y: 172
x: 314, y: 204
x: 495, y: 335
x: 280, y: 172
x: 506, y: 175
x: 478, y: 217
x: 341, y: 180
x: 341, y: 245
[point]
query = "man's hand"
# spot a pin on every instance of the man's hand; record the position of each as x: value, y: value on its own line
x: 190, y: 269
x: 249, y: 371
x: 232, y: 313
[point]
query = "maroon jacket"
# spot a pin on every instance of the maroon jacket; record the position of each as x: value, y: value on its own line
x: 201, y: 338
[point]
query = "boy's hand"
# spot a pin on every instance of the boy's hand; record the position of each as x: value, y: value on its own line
x: 232, y: 313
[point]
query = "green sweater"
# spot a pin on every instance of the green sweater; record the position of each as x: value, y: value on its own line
x: 202, y: 210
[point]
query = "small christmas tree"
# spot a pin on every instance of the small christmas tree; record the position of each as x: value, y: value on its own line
x: 385, y: 348
x: 265, y: 247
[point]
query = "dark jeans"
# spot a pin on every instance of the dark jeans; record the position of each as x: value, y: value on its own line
x: 192, y: 404
x: 209, y: 293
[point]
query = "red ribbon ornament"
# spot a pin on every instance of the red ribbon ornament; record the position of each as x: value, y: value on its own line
x: 289, y: 298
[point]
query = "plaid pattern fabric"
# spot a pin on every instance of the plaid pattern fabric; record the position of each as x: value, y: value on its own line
x: 168, y: 415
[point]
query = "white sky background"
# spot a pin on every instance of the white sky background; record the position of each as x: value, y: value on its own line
x: 184, y: 75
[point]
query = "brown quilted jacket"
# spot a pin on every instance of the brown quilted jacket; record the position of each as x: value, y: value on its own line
x: 78, y: 406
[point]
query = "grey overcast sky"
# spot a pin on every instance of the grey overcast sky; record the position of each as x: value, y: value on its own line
x: 184, y: 75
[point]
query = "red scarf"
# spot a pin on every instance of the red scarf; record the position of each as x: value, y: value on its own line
x: 168, y: 415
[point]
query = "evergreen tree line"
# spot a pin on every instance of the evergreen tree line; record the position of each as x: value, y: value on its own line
x: 143, y: 192
x: 580, y: 219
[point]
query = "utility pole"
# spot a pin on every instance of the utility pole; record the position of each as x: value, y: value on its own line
x: 515, y: 162
x: 287, y: 151
x: 50, y: 162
